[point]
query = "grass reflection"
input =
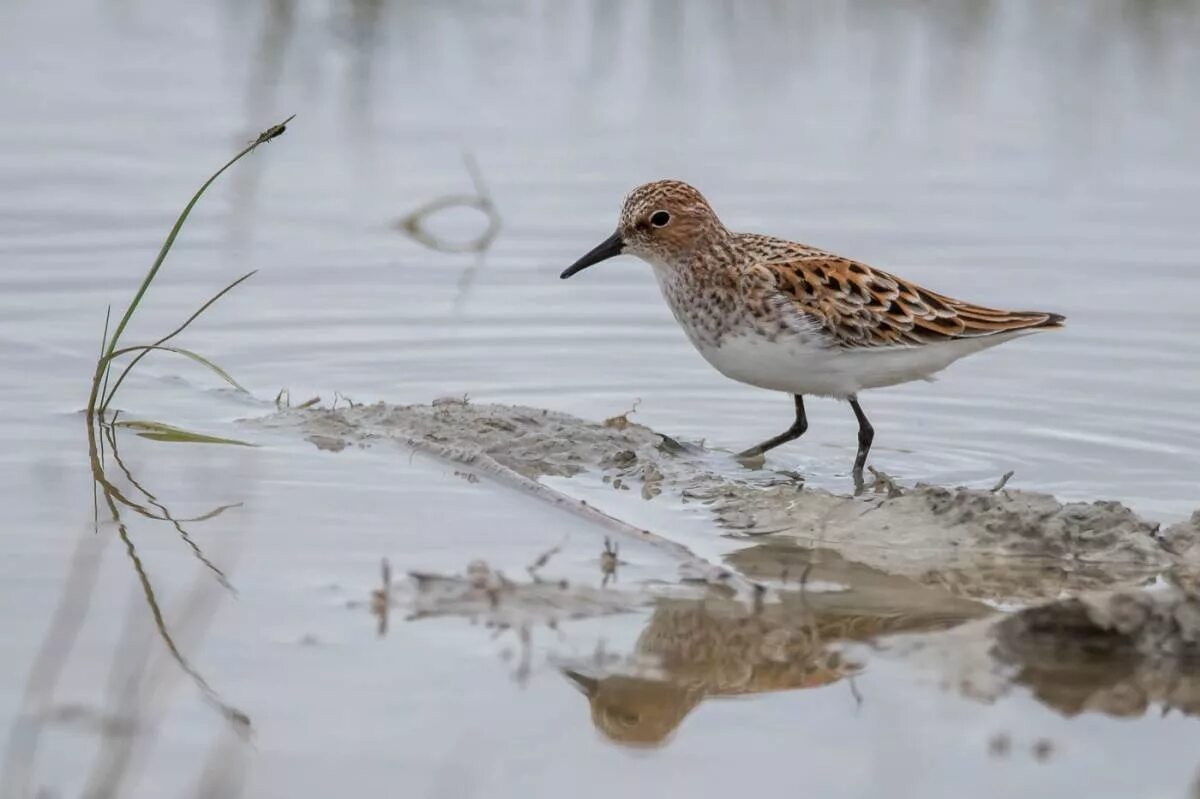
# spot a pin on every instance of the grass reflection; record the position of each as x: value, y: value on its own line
x: 146, y: 661
x: 114, y: 501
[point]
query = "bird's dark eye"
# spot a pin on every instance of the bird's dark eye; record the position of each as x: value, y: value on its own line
x: 660, y: 218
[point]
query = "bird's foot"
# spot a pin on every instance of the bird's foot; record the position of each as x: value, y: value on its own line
x: 752, y: 458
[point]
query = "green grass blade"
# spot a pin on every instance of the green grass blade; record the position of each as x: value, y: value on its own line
x: 103, y: 345
x: 104, y: 338
x: 158, y: 431
x: 108, y: 395
x: 271, y: 133
x: 186, y: 353
x: 111, y: 346
x: 200, y: 359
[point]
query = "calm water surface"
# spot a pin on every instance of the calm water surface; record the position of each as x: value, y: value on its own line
x: 1019, y: 154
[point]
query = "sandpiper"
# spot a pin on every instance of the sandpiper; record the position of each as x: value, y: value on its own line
x: 785, y: 316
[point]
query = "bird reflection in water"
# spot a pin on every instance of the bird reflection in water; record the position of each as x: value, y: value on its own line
x: 692, y: 650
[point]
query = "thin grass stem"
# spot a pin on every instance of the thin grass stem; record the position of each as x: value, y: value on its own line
x: 108, y: 395
x: 111, y: 346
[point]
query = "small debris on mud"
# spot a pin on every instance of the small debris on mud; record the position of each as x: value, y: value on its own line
x: 609, y: 560
x: 884, y: 483
x: 621, y: 420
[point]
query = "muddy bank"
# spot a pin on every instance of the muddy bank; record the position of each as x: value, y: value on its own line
x: 844, y: 580
x: 1002, y: 543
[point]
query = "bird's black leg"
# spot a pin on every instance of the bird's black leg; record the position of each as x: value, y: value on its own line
x: 866, y: 434
x: 791, y: 434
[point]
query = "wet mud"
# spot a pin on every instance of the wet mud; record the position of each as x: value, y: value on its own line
x: 814, y: 584
x: 1001, y: 543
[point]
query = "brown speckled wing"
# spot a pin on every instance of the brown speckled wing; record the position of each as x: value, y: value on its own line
x: 859, y: 306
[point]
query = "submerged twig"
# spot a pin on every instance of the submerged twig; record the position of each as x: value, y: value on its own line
x: 413, y: 223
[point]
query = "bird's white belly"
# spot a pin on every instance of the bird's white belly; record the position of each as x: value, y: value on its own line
x: 808, y: 365
x: 794, y: 364
x: 806, y: 361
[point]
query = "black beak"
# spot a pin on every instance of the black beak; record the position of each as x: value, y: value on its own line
x: 583, y: 682
x: 610, y: 247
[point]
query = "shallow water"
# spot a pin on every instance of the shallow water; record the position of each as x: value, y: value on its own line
x: 1017, y: 154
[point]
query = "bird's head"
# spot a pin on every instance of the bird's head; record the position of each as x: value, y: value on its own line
x: 661, y: 223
